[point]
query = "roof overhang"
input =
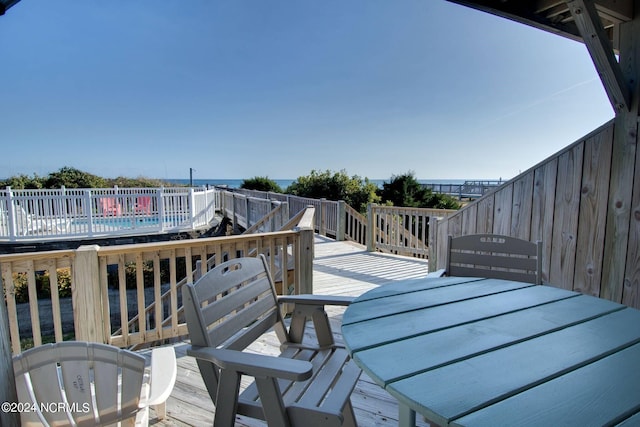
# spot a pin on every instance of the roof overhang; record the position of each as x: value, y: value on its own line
x: 555, y: 16
x: 596, y: 23
x: 6, y: 4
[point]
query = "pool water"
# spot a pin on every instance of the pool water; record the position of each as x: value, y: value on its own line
x: 121, y: 222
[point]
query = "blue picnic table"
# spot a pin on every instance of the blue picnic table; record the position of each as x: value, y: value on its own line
x: 489, y: 352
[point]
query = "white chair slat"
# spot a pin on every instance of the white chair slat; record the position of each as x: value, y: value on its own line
x: 76, y: 374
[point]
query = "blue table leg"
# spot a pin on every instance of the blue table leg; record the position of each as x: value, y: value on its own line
x: 406, y: 416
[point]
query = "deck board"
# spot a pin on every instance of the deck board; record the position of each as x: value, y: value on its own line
x: 340, y: 268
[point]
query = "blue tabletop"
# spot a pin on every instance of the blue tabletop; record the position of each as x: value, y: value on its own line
x: 475, y: 352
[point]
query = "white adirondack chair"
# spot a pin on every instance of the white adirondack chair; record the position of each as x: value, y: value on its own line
x: 27, y: 224
x: 308, y: 385
x: 91, y: 384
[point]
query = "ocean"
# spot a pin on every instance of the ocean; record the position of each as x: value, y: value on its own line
x: 284, y: 183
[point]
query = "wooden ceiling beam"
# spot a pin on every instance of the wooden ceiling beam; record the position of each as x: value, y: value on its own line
x: 616, y: 10
x: 542, y: 6
x: 6, y: 4
x: 599, y: 46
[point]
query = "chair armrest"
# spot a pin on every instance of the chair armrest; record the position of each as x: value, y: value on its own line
x: 437, y: 273
x: 311, y: 299
x: 312, y: 306
x: 163, y: 374
x: 255, y: 365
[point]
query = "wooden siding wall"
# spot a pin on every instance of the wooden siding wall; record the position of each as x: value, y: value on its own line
x: 583, y: 203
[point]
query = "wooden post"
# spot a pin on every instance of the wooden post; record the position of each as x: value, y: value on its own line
x: 341, y: 220
x: 323, y: 216
x: 433, y: 243
x: 234, y: 215
x: 284, y: 214
x: 371, y: 243
x: 246, y: 212
x: 7, y: 386
x: 86, y: 296
x: 623, y: 164
x: 305, y: 257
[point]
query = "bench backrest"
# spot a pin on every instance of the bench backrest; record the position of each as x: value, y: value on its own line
x: 496, y: 256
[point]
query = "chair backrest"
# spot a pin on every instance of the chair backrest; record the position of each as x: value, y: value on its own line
x: 143, y: 204
x: 23, y: 218
x: 495, y: 256
x: 230, y: 307
x: 75, y: 380
x: 110, y: 206
x: 4, y: 218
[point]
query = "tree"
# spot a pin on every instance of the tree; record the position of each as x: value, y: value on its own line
x: 140, y: 182
x: 74, y: 178
x: 261, y: 183
x: 22, y: 182
x: 405, y: 190
x: 354, y: 190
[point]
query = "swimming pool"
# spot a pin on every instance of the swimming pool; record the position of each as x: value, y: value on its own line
x: 138, y: 223
x: 120, y: 221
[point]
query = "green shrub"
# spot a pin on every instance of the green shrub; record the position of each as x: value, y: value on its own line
x: 43, y: 285
x: 74, y: 178
x: 405, y: 190
x: 261, y: 183
x: 355, y: 191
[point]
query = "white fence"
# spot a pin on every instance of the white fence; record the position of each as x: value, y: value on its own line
x: 29, y: 215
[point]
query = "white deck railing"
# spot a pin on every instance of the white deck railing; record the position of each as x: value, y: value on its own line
x: 28, y: 215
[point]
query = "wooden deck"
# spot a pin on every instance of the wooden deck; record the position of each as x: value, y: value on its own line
x: 340, y: 268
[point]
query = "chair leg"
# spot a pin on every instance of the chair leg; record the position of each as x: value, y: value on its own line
x: 161, y: 410
x: 227, y: 399
x: 272, y: 404
x: 323, y: 327
x: 297, y: 326
x: 348, y: 415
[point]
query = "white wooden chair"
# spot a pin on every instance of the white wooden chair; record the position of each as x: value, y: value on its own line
x: 27, y: 224
x: 308, y: 385
x: 495, y: 256
x: 91, y: 384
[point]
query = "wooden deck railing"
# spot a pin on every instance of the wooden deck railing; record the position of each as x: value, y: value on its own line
x: 39, y: 215
x: 391, y: 229
x: 251, y: 212
x: 327, y: 217
x: 401, y: 230
x: 355, y: 226
x: 466, y: 190
x: 111, y: 285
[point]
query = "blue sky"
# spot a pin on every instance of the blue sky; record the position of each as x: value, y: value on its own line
x: 239, y: 88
